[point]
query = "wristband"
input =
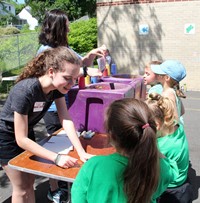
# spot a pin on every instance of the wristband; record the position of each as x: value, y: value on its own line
x: 57, y: 159
x: 85, y: 71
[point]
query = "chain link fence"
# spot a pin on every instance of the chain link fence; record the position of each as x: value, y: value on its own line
x: 16, y: 50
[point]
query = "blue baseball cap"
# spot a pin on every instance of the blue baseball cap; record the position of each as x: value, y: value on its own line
x: 173, y: 68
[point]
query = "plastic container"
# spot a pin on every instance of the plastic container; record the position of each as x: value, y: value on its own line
x: 87, y: 80
x: 108, y: 68
x: 113, y: 69
x: 94, y: 79
x: 81, y: 82
x: 105, y: 72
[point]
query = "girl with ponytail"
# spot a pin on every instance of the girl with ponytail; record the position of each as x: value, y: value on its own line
x: 136, y: 173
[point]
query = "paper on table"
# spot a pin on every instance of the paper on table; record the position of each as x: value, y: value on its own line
x: 59, y: 143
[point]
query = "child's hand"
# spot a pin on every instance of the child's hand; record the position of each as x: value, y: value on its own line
x: 65, y: 161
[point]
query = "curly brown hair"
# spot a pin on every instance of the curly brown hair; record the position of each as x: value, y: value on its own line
x: 53, y: 57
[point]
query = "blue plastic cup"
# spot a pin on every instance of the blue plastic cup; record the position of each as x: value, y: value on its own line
x: 113, y: 69
x: 94, y: 79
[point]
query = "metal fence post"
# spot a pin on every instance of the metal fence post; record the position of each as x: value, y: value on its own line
x: 18, y: 50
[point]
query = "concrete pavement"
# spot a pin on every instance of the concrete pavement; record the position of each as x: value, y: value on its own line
x: 192, y: 127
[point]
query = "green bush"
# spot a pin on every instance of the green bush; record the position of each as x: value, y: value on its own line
x: 83, y: 35
x: 9, y: 31
x: 25, y: 29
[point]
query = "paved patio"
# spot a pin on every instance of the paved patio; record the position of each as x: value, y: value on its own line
x: 192, y: 127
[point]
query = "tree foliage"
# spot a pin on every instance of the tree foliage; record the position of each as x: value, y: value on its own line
x: 18, y: 8
x: 6, y: 17
x: 74, y: 8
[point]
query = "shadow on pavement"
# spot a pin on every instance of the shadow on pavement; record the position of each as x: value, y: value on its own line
x: 4, y: 181
x: 41, y: 192
x: 195, y: 181
x: 7, y: 201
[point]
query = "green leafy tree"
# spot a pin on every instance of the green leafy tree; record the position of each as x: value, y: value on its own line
x: 71, y: 7
x: 19, y: 7
x: 38, y: 8
x: 88, y: 7
x: 74, y: 8
x: 6, y: 19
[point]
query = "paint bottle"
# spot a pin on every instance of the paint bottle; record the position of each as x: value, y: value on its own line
x: 113, y: 69
x: 81, y: 82
x: 94, y: 79
x: 87, y: 80
x: 108, y: 68
x: 105, y: 72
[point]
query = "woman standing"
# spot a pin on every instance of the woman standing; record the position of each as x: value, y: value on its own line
x: 54, y: 31
x: 45, y: 79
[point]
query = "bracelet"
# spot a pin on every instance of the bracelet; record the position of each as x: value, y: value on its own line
x: 85, y: 71
x: 57, y: 159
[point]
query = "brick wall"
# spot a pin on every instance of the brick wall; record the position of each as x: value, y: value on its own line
x: 169, y: 23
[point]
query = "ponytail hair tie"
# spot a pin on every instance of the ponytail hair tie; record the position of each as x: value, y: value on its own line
x: 145, y: 126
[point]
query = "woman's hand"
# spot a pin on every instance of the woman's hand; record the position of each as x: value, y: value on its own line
x: 100, y: 51
x: 89, y: 58
x: 65, y: 161
x: 85, y: 156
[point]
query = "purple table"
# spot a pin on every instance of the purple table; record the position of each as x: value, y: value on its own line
x: 135, y: 81
x: 87, y: 106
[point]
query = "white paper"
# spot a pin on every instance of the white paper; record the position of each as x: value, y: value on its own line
x: 59, y: 143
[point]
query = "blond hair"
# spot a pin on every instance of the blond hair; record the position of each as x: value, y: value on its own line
x: 162, y: 108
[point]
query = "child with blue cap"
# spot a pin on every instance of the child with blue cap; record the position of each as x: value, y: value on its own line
x: 150, y: 78
x: 170, y: 73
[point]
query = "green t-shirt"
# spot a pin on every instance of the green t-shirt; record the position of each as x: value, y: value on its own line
x: 175, y: 148
x: 100, y: 180
x: 168, y: 173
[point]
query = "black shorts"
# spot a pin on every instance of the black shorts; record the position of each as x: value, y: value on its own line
x: 9, y: 148
x: 182, y: 194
